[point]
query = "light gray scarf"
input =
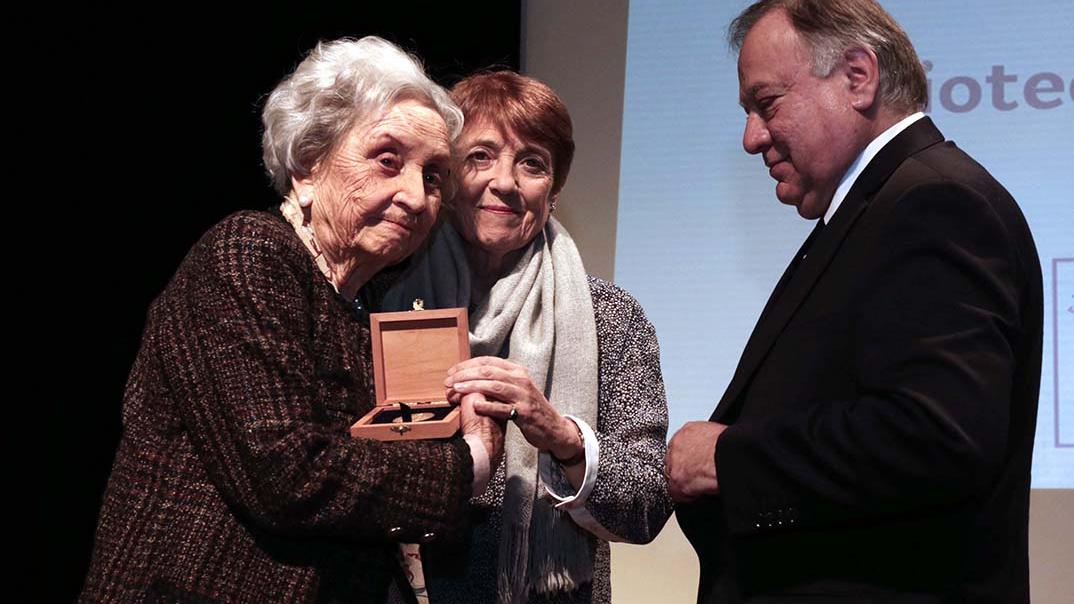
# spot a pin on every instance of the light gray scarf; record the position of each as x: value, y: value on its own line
x: 539, y: 315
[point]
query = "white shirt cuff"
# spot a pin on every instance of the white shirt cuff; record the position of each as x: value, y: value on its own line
x: 482, y: 466
x: 592, y: 460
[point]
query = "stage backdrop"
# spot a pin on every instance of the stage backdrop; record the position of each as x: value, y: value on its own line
x: 701, y: 239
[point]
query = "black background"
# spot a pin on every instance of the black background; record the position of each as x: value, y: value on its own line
x: 151, y: 134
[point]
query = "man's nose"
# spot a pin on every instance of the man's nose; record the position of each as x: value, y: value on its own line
x: 756, y: 137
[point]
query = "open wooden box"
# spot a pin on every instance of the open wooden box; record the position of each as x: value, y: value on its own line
x: 412, y: 352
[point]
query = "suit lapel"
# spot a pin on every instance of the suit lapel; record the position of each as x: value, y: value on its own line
x: 798, y: 280
x: 789, y: 272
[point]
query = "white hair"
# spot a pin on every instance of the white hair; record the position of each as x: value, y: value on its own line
x: 338, y: 83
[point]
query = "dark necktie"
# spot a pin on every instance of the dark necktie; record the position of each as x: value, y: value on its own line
x: 811, y: 241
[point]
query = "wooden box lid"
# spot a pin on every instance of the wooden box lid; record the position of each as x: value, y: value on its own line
x: 412, y: 351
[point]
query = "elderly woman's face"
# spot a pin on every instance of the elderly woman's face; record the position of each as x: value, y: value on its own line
x: 376, y: 196
x: 505, y: 188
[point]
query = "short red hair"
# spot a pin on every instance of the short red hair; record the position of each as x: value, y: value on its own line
x: 524, y: 105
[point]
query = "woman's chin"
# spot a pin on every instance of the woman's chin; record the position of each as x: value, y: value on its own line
x: 388, y: 249
x: 499, y: 242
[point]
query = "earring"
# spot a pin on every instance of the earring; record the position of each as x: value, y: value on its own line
x: 552, y: 206
x: 305, y: 200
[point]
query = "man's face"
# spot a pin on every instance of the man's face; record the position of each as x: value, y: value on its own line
x: 804, y: 127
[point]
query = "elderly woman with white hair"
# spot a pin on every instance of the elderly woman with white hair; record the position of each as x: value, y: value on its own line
x: 236, y: 479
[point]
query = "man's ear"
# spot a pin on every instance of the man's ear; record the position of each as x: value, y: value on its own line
x: 862, y: 71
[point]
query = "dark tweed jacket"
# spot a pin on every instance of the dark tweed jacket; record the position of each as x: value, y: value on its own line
x: 235, y: 479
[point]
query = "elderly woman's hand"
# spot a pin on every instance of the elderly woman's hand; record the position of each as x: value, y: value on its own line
x: 488, y: 429
x: 509, y: 387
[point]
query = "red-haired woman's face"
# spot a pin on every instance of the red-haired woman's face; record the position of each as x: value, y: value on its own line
x: 505, y: 189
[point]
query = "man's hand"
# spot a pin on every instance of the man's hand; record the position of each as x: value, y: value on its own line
x: 691, y: 461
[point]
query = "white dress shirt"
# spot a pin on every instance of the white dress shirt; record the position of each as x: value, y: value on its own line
x: 867, y: 154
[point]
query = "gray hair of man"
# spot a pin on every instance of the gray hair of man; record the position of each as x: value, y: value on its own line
x: 831, y: 27
x: 337, y: 84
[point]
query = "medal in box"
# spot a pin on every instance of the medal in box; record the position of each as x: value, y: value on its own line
x: 412, y: 352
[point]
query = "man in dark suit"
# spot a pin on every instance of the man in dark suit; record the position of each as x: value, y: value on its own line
x: 874, y: 444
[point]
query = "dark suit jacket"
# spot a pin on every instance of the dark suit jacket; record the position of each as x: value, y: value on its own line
x: 882, y: 414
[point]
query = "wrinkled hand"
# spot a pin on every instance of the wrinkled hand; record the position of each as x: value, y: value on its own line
x: 691, y: 461
x: 488, y: 429
x: 505, y: 385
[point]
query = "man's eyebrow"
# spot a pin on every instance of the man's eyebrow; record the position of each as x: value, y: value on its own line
x: 751, y: 92
x: 748, y: 95
x: 745, y: 99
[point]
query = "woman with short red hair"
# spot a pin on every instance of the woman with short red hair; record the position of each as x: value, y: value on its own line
x: 569, y: 360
